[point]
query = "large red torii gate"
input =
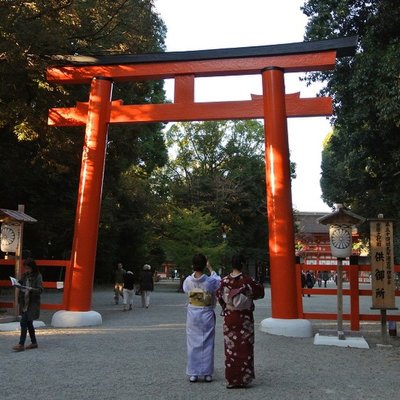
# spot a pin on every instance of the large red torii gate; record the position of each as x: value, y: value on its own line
x: 274, y: 106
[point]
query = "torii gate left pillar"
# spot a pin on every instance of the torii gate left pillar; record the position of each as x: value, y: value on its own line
x: 274, y: 106
x: 84, y: 246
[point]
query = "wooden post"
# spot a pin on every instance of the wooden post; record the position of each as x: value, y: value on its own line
x: 382, y: 270
x: 354, y: 296
x: 340, y: 299
x: 89, y: 196
x: 18, y: 260
x: 279, y: 197
x: 384, y: 333
x: 299, y: 290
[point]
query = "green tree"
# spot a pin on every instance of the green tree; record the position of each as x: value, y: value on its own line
x: 188, y: 232
x: 219, y: 167
x: 39, y: 165
x: 361, y: 159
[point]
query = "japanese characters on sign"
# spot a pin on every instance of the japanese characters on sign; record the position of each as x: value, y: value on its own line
x: 382, y: 264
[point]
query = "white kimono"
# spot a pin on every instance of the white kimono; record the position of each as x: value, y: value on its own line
x: 200, y: 323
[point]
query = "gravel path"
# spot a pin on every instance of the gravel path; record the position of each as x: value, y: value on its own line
x: 141, y: 354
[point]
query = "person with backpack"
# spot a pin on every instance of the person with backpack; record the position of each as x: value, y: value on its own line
x: 236, y: 296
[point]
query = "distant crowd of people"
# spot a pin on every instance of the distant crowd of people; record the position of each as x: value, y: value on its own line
x: 309, y: 279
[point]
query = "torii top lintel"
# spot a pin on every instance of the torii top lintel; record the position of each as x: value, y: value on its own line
x: 292, y: 57
x: 184, y: 67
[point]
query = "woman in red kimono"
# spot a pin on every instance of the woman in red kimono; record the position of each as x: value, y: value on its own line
x: 236, y: 295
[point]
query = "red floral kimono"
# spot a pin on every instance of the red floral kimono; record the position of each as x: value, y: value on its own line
x: 236, y: 295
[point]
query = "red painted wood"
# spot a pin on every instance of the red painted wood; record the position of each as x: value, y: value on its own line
x: 315, y: 291
x: 274, y: 107
x: 354, y: 298
x: 84, y: 245
x: 354, y: 292
x: 319, y: 61
x: 46, y: 284
x: 279, y: 198
x: 252, y: 109
x: 347, y: 317
x: 299, y: 288
x: 184, y: 89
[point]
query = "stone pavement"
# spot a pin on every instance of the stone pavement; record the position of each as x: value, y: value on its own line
x: 142, y: 355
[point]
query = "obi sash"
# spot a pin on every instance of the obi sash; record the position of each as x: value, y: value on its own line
x: 200, y: 298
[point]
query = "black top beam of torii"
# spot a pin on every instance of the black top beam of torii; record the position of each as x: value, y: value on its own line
x: 344, y: 47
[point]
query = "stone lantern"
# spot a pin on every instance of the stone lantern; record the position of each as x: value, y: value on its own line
x: 341, y: 224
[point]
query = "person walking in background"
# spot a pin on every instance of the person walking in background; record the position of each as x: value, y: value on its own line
x: 119, y: 273
x: 128, y: 290
x: 29, y: 303
x: 319, y: 278
x: 146, y: 285
x: 310, y: 281
x: 325, y: 277
x: 236, y: 296
x: 200, y: 319
x: 303, y: 280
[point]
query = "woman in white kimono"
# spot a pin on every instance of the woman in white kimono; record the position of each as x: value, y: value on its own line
x: 200, y: 322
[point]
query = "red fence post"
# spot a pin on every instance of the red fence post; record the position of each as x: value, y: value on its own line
x: 299, y: 268
x: 354, y: 294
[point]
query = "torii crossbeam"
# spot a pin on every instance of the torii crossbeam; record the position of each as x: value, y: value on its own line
x: 274, y: 106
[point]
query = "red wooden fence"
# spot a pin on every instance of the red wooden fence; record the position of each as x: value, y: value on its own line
x: 49, y: 285
x: 354, y: 291
x: 352, y: 272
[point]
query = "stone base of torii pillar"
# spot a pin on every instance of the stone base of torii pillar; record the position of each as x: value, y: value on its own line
x: 287, y: 327
x: 74, y: 319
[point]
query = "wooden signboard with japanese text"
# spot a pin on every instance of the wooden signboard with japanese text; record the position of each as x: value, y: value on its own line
x: 382, y: 264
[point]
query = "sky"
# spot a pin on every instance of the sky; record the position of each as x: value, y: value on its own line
x: 213, y: 24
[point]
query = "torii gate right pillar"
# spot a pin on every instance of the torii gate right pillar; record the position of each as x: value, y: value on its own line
x: 284, y: 319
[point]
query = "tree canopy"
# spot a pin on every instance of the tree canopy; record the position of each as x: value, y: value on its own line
x: 218, y: 167
x: 39, y: 165
x: 361, y: 158
x: 188, y: 232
